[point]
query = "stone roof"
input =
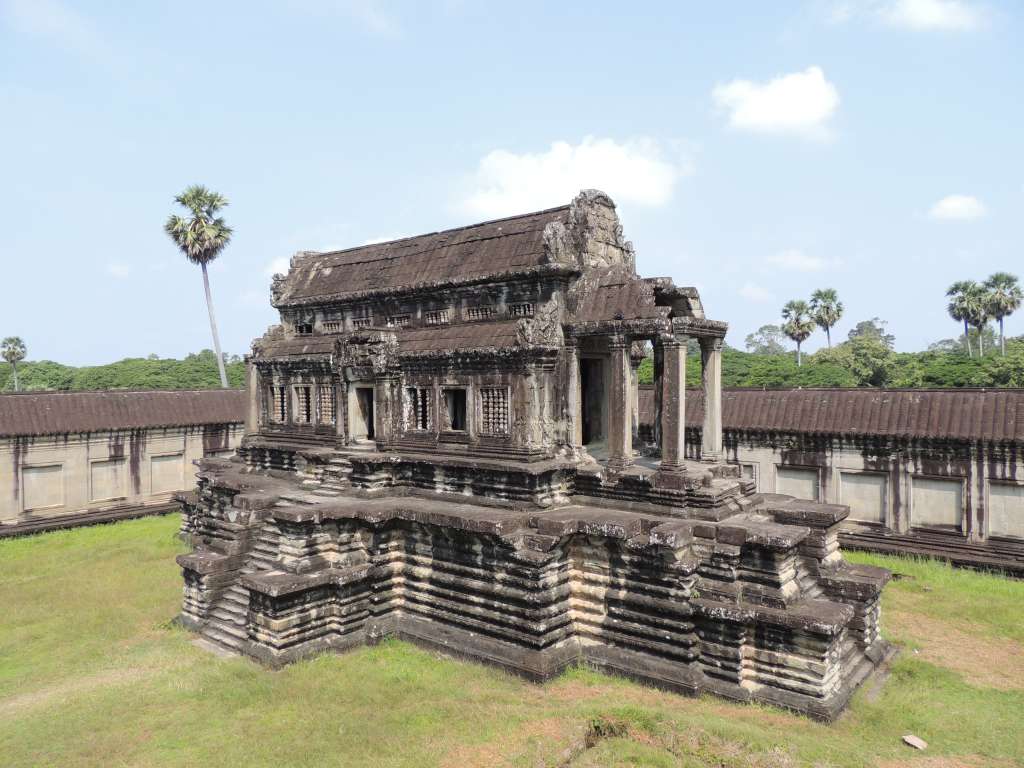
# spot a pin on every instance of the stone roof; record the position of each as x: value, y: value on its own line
x: 58, y: 413
x: 620, y: 295
x: 989, y: 415
x: 464, y: 337
x: 491, y: 249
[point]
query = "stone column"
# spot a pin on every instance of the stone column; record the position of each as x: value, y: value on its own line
x: 620, y: 432
x: 384, y: 409
x: 341, y: 418
x: 573, y: 412
x: 636, y: 357
x: 252, y: 413
x: 673, y: 403
x: 711, y: 379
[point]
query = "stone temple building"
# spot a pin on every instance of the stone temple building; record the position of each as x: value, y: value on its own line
x: 439, y: 447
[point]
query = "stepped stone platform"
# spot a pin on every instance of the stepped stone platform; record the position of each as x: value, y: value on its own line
x: 745, y: 596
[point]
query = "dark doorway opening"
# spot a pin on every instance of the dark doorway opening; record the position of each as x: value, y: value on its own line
x: 455, y: 408
x: 364, y: 413
x: 592, y: 400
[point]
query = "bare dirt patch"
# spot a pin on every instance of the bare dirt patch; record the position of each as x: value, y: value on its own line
x: 959, y: 761
x: 988, y: 662
x: 545, y: 736
x: 60, y: 693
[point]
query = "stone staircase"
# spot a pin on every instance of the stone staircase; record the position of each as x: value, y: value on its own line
x: 335, y: 478
x: 228, y: 619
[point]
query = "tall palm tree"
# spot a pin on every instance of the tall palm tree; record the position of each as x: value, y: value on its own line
x: 1004, y: 298
x: 981, y: 316
x: 202, y: 237
x: 826, y: 309
x: 798, y: 325
x: 963, y: 298
x: 13, y: 350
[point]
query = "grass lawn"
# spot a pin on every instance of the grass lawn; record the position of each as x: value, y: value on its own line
x: 93, y: 674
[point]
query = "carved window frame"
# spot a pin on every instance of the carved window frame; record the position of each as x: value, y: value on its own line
x: 418, y: 408
x: 303, y: 404
x: 491, y: 397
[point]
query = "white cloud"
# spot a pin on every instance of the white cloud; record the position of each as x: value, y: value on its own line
x: 56, y: 22
x: 931, y: 14
x: 278, y: 266
x: 958, y: 207
x: 118, y: 270
x: 382, y: 239
x: 795, y: 260
x: 799, y: 103
x: 942, y: 15
x: 639, y: 171
x: 754, y: 292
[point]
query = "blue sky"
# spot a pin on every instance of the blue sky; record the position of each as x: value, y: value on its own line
x: 756, y: 150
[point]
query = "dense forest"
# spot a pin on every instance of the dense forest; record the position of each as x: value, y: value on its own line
x: 864, y: 360
x: 196, y: 371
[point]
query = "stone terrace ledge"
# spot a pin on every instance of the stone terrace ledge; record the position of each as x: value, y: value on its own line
x: 755, y: 606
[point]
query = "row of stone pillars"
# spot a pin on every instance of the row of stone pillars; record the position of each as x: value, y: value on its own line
x: 672, y: 388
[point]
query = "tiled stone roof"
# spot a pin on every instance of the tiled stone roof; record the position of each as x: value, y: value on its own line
x: 493, y: 248
x: 991, y: 415
x: 57, y: 413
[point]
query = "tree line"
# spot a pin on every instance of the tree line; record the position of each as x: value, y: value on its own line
x: 195, y: 371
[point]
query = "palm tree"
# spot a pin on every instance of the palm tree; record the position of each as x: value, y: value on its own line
x: 826, y: 309
x: 963, y: 298
x: 798, y: 325
x: 13, y: 350
x: 201, y: 238
x: 1004, y: 298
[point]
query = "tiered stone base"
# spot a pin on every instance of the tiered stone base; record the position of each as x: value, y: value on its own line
x: 757, y: 605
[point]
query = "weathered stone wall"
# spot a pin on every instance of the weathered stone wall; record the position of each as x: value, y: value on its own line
x: 54, y: 476
x: 959, y: 501
x: 752, y: 605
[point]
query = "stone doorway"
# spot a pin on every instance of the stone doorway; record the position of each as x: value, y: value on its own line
x: 363, y: 428
x: 592, y: 400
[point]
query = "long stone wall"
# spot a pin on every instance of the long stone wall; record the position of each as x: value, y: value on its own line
x: 961, y: 502
x: 99, y: 475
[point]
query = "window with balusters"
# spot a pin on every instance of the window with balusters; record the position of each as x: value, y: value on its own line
x: 494, y: 410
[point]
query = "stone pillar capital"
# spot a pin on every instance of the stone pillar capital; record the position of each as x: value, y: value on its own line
x: 711, y: 343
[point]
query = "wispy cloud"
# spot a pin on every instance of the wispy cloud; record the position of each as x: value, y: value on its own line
x: 57, y: 23
x: 375, y: 17
x: 641, y: 171
x: 278, y: 266
x: 799, y: 103
x: 118, y: 270
x: 958, y: 208
x: 795, y: 260
x: 918, y: 15
x: 754, y: 292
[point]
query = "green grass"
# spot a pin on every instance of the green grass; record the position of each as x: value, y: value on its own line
x: 93, y: 674
x: 990, y: 603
